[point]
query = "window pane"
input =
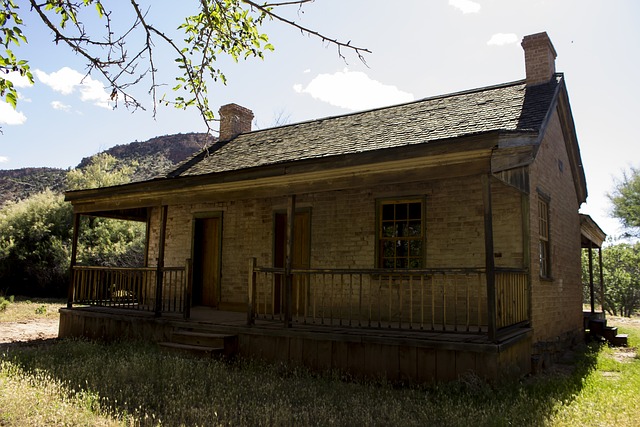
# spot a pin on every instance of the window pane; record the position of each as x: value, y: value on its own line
x: 388, y: 249
x: 401, y: 211
x: 388, y: 229
x: 415, y: 263
x: 415, y: 248
x: 415, y: 210
x: 387, y: 212
x: 403, y: 230
x: 402, y: 248
x: 414, y: 228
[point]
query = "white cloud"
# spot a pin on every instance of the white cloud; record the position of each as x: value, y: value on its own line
x: 353, y: 90
x: 57, y: 105
x: 500, y: 39
x: 9, y: 116
x: 465, y: 6
x: 17, y: 80
x: 66, y: 81
x: 4, y: 159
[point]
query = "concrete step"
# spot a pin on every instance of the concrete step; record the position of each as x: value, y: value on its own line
x: 192, y: 350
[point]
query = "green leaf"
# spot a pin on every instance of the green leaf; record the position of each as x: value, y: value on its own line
x: 12, y: 99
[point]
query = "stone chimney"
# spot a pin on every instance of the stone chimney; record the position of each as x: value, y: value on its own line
x: 539, y: 58
x: 234, y: 120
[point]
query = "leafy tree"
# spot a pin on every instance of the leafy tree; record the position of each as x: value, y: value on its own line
x: 621, y: 271
x: 104, y: 241
x: 35, y: 237
x: 113, y: 50
x: 626, y: 200
x: 103, y: 170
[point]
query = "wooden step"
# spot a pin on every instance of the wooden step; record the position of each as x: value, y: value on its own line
x: 620, y: 340
x: 200, y: 343
x: 200, y: 338
x: 609, y: 332
x: 193, y: 350
x: 597, y: 326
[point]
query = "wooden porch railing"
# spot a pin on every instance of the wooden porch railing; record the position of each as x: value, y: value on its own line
x: 446, y: 300
x: 512, y: 297
x: 130, y: 288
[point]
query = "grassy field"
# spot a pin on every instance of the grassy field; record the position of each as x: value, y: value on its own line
x: 85, y: 383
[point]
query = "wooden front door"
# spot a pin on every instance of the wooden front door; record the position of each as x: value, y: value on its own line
x: 301, y: 258
x: 206, y: 261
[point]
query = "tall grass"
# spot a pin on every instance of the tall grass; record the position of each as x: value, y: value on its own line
x: 23, y: 309
x: 135, y: 384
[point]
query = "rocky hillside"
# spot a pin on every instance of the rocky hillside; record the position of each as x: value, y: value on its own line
x: 154, y: 158
x: 16, y: 184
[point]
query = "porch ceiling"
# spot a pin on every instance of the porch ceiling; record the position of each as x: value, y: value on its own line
x: 131, y: 214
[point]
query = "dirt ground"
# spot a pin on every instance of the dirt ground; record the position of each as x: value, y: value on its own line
x: 40, y: 329
x: 29, y: 330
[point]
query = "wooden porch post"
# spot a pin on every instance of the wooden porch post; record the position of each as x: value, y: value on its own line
x: 74, y: 254
x: 601, y: 279
x: 489, y: 261
x: 591, y: 293
x: 251, y: 307
x: 291, y: 212
x: 160, y: 266
x: 188, y: 288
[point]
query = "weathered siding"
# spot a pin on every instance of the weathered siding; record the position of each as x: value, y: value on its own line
x: 556, y: 303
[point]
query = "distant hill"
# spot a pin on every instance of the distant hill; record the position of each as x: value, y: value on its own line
x: 154, y: 158
x: 16, y: 184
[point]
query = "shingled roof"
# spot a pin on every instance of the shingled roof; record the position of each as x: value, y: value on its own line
x: 511, y: 107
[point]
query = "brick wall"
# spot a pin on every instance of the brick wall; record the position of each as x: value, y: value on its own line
x: 556, y: 303
x: 343, y: 228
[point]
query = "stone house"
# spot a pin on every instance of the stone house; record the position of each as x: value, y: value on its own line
x: 418, y: 241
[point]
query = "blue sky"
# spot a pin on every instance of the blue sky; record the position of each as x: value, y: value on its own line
x: 420, y: 48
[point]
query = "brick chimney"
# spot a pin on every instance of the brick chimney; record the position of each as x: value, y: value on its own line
x: 234, y: 120
x: 539, y: 58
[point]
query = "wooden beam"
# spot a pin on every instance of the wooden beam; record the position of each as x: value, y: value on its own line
x: 489, y: 261
x: 160, y: 265
x: 74, y: 254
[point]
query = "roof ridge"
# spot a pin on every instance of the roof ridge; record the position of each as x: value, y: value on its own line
x: 415, y: 101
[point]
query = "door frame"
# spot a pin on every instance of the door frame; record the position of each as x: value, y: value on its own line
x: 200, y: 216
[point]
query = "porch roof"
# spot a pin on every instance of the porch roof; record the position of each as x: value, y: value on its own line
x: 510, y: 107
x: 591, y: 234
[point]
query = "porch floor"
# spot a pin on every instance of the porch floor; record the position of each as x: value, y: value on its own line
x: 398, y: 355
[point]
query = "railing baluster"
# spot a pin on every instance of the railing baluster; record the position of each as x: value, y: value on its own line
x: 455, y: 303
x: 421, y: 301
x: 410, y: 301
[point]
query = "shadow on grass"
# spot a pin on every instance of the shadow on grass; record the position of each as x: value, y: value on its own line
x: 136, y: 379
